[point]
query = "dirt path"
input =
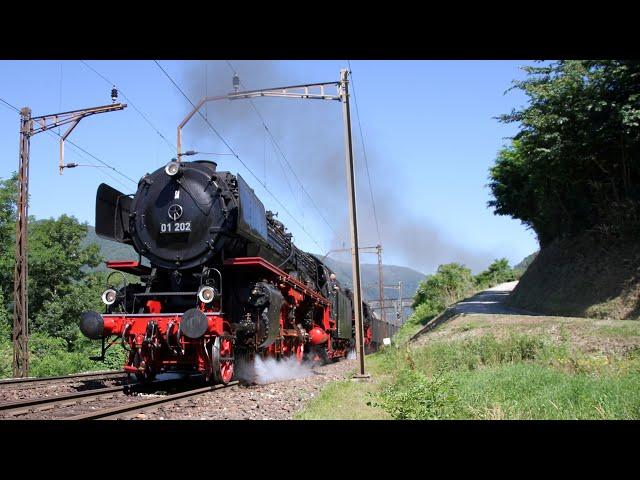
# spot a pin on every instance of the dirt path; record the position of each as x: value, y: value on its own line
x: 490, y: 301
x: 487, y: 302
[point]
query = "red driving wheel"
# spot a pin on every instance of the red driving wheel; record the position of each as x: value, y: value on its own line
x: 222, y: 359
x: 300, y: 352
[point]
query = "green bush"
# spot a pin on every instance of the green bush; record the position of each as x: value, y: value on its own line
x: 449, y: 284
x: 476, y: 352
x: 416, y: 397
x: 61, y: 313
x: 498, y: 272
x: 5, y: 321
x: 50, y: 356
x: 6, y: 359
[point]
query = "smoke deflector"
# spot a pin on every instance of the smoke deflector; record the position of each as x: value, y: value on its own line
x: 112, y: 214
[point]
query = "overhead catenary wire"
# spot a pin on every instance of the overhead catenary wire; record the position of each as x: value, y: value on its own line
x: 277, y: 145
x: 78, y: 147
x: 224, y: 141
x: 284, y: 172
x: 9, y: 105
x: 364, y: 153
x: 146, y: 119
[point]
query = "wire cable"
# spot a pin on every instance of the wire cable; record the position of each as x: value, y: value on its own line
x: 146, y: 119
x: 277, y: 145
x: 9, y: 105
x: 52, y: 132
x: 364, y: 152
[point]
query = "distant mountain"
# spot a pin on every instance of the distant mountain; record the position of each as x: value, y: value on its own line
x: 392, y: 274
x: 111, y: 250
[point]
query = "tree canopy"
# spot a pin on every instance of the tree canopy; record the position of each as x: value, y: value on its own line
x: 498, y: 272
x: 451, y: 282
x: 573, y: 166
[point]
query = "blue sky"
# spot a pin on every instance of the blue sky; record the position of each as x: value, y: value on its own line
x: 428, y: 126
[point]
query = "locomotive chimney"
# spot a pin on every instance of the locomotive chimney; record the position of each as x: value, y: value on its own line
x: 211, y: 165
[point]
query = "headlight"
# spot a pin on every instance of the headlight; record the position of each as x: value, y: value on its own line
x: 172, y: 168
x: 207, y: 294
x: 109, y: 296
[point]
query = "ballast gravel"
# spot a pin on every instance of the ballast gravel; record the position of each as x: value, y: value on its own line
x: 279, y: 400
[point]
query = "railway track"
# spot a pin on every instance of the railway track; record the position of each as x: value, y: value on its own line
x: 107, y: 402
x: 34, y: 405
x: 137, y: 407
x: 33, y: 382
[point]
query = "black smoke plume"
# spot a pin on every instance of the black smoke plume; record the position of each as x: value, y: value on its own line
x: 310, y: 133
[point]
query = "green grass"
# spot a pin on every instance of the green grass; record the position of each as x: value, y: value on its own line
x: 350, y: 400
x: 629, y: 329
x: 517, y: 377
x: 533, y: 391
x: 513, y: 371
x: 344, y: 400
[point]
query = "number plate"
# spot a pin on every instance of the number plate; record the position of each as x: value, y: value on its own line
x: 175, y: 227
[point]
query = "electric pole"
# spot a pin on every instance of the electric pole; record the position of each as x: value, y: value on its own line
x: 29, y: 126
x: 20, y: 307
x: 380, y: 281
x: 401, y: 316
x: 353, y: 220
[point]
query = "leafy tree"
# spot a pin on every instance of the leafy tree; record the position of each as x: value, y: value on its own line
x: 498, y: 272
x: 59, y: 287
x: 56, y: 259
x: 449, y: 284
x: 5, y: 321
x: 60, y: 314
x: 573, y: 166
x: 8, y: 199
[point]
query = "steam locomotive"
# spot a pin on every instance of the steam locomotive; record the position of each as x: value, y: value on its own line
x: 225, y: 281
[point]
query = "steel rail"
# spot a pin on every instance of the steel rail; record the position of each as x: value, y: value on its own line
x: 114, y: 412
x: 62, y: 378
x: 25, y: 406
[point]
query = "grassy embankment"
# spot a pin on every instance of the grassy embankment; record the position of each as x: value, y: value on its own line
x: 497, y: 367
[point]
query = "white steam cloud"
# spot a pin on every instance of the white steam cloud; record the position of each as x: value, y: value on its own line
x: 270, y: 370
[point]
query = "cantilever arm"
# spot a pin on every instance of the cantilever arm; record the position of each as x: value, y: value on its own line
x: 306, y: 92
x: 62, y: 139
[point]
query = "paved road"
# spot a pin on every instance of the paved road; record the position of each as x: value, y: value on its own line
x: 488, y: 301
